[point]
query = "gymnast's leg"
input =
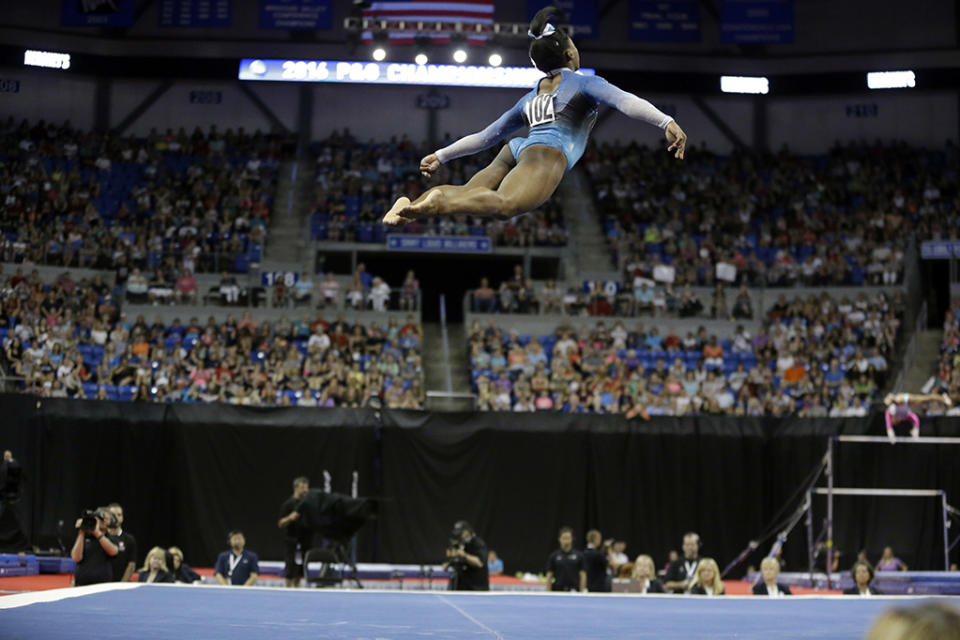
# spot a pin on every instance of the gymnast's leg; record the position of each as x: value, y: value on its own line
x: 489, y: 177
x: 526, y: 186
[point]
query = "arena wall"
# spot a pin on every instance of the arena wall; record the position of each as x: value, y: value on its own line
x: 805, y: 124
x: 187, y: 474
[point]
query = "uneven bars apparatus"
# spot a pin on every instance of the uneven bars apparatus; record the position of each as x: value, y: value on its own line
x: 830, y: 491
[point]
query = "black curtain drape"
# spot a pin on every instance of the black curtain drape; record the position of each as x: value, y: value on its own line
x: 187, y: 474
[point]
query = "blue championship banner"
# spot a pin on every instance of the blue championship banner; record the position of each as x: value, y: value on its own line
x: 756, y: 21
x: 296, y: 14
x: 439, y: 244
x: 674, y: 21
x: 97, y: 13
x: 940, y: 250
x: 195, y: 13
x: 453, y: 75
x: 581, y: 14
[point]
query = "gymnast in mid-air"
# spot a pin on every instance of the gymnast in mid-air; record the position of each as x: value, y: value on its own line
x: 560, y: 113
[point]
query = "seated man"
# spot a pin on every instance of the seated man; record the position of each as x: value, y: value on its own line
x: 137, y: 287
x: 303, y: 289
x: 160, y: 289
x: 330, y: 289
x: 494, y: 564
x: 237, y: 566
x: 484, y: 298
x: 644, y: 298
x: 229, y: 288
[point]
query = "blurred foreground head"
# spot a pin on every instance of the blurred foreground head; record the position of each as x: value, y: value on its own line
x: 928, y: 621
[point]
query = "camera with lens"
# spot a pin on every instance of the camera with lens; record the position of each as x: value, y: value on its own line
x: 89, y: 517
x: 455, y: 543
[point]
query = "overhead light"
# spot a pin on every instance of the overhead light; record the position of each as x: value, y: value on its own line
x: 48, y: 59
x: 495, y: 60
x: 744, y: 84
x: 891, y: 79
x: 423, y: 45
x: 381, y: 39
x: 459, y: 56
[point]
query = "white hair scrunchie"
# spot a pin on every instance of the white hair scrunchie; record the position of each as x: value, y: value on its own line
x: 547, y: 30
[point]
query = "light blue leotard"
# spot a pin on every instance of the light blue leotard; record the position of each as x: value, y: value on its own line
x: 561, y: 119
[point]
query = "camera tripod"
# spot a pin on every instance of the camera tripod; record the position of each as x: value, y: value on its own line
x: 336, y: 553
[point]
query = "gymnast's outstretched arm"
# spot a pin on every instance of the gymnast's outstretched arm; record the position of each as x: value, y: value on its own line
x: 468, y: 145
x: 638, y: 109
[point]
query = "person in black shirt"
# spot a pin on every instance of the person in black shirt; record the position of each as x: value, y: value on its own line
x: 770, y: 568
x: 566, y: 570
x: 681, y: 573
x: 706, y: 579
x: 645, y: 573
x: 296, y: 534
x: 596, y: 560
x: 467, y: 559
x: 862, y: 574
x: 125, y: 562
x: 92, y: 552
x: 180, y: 570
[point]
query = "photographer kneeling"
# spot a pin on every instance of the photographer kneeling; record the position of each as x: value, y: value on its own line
x: 93, y: 549
x: 467, y: 559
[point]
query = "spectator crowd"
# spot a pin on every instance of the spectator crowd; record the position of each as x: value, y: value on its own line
x: 813, y: 356
x: 167, y: 204
x: 519, y: 294
x: 947, y: 377
x: 72, y: 339
x: 357, y: 183
x: 772, y: 219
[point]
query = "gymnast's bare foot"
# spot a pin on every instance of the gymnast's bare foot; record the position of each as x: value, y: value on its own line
x: 392, y: 217
x: 432, y: 205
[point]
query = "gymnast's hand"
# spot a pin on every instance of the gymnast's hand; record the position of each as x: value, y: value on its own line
x: 677, y: 139
x: 429, y: 165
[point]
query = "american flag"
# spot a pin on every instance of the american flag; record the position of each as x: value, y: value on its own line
x: 467, y: 12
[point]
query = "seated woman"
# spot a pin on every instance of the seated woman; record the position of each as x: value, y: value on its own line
x: 155, y: 567
x: 180, y: 570
x: 706, y: 580
x: 862, y: 574
x: 890, y: 562
x: 645, y: 573
x: 770, y: 568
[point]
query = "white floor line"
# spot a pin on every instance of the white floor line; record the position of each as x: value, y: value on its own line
x: 470, y: 618
x: 55, y: 595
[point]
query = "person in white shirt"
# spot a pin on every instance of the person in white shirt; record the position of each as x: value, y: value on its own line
x: 379, y: 294
x: 330, y: 289
x: 618, y: 557
x: 355, y: 295
x: 319, y: 340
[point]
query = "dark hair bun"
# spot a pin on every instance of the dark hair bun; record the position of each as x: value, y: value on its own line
x: 543, y: 17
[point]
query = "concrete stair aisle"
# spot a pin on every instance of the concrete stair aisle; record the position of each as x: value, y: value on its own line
x: 924, y: 362
x: 590, y: 253
x: 287, y: 240
x: 435, y: 365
